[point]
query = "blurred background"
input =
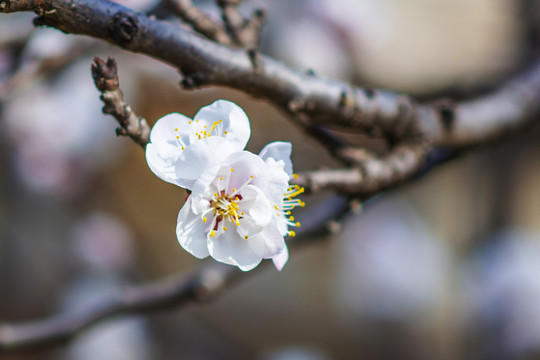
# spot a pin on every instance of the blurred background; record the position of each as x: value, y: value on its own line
x: 447, y: 267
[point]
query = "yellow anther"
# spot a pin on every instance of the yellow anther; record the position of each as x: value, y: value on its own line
x: 246, y: 237
x: 178, y: 137
x: 221, y: 178
x: 225, y: 132
x: 298, y: 224
x: 237, y: 223
x: 232, y: 170
x: 204, y: 219
x: 225, y: 228
x: 292, y: 233
x: 215, y: 194
x: 242, y: 213
x: 212, y: 233
x: 189, y: 122
x: 196, y: 120
x: 252, y: 176
x: 275, y: 207
x: 176, y: 129
x: 183, y: 148
x: 295, y: 176
x: 291, y: 218
x: 233, y: 189
x: 205, y: 126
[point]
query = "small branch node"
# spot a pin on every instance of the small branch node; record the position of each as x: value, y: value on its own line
x: 123, y: 28
x: 446, y: 109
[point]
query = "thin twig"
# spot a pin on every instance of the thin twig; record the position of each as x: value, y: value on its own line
x: 200, y: 22
x: 105, y: 76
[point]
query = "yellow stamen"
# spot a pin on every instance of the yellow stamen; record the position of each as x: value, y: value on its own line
x: 204, y: 219
x: 246, y: 237
x: 212, y: 233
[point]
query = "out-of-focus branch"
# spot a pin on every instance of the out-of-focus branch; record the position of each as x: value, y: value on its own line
x: 199, y: 21
x: 105, y: 76
x: 177, y: 291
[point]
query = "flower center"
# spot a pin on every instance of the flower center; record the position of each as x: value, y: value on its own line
x: 226, y: 206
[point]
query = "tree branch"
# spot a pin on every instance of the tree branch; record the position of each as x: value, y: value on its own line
x: 376, y: 112
x: 105, y: 76
x: 199, y: 21
x: 417, y: 130
x: 177, y: 291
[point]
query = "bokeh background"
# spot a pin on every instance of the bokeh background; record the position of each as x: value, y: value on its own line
x: 447, y: 267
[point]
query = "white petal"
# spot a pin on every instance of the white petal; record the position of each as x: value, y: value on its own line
x: 163, y: 150
x: 277, y: 182
x: 191, y: 232
x: 161, y: 160
x: 198, y: 157
x: 256, y: 206
x: 279, y: 150
x: 246, y: 164
x: 235, y: 121
x: 230, y: 248
x: 164, y: 130
x: 281, y: 259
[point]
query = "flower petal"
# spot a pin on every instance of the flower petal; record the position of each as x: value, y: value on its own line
x: 277, y: 182
x: 164, y: 148
x: 198, y: 157
x: 235, y: 121
x: 281, y: 259
x: 279, y: 150
x: 191, y: 232
x: 164, y: 130
x: 230, y: 248
x: 245, y: 167
x: 257, y: 207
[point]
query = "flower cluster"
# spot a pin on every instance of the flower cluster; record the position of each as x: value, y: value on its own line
x: 239, y: 207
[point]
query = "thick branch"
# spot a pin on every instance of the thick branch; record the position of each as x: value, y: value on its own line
x: 206, y: 63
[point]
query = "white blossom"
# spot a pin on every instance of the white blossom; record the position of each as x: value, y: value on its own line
x: 181, y: 148
x: 239, y: 210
